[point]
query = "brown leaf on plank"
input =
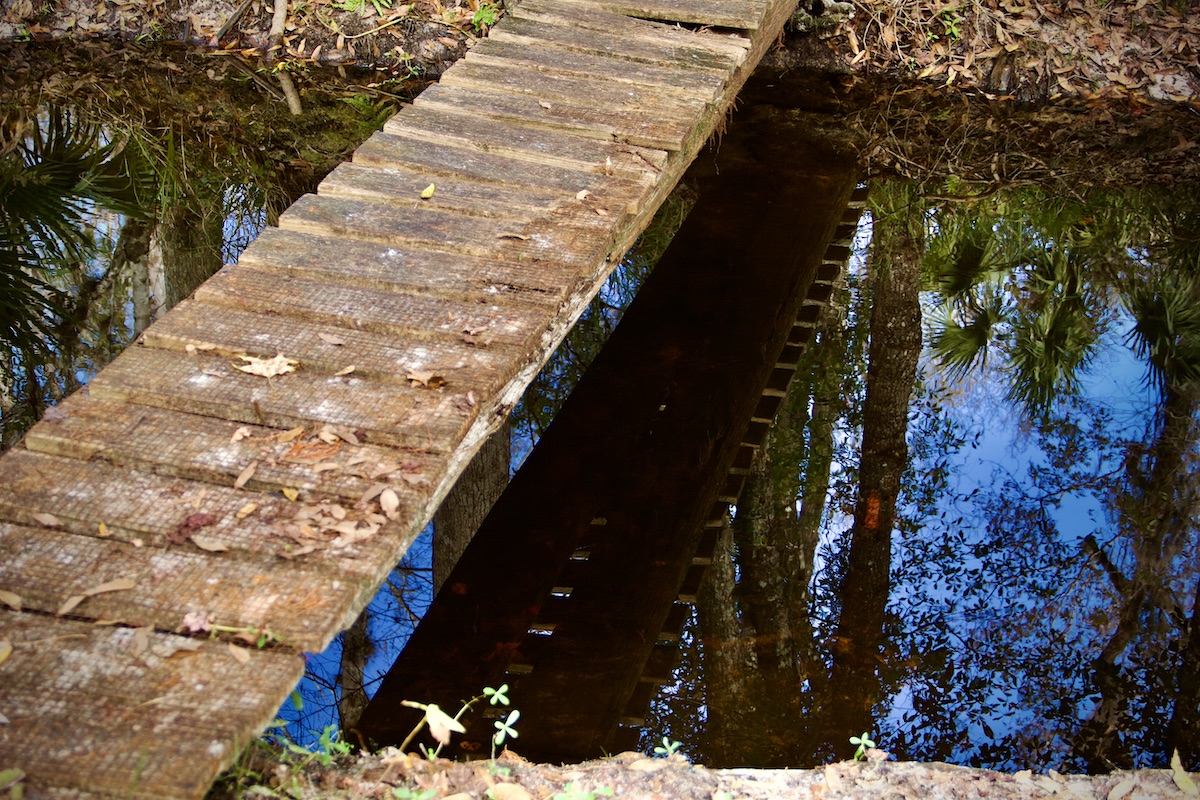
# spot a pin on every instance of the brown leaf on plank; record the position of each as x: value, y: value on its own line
x: 245, y: 475
x: 194, y: 522
x: 10, y: 599
x: 118, y: 585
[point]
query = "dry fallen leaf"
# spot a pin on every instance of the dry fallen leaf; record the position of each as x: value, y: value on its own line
x: 389, y: 502
x: 425, y: 378
x: 545, y: 105
x: 118, y: 585
x: 325, y: 466
x: 10, y: 599
x: 290, y: 493
x: 246, y: 510
x: 6, y: 649
x: 240, y: 654
x: 582, y: 194
x: 330, y: 338
x: 245, y: 475
x: 209, y: 543
x: 344, y: 371
x: 241, y: 433
x: 427, y: 192
x: 49, y: 520
x: 520, y: 236
x: 267, y: 367
x: 1181, y: 778
x: 102, y: 531
x: 288, y: 435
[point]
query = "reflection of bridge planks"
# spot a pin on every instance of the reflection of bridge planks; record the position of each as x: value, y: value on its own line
x: 445, y: 308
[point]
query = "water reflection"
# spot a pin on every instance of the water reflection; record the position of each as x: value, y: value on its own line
x: 1008, y: 578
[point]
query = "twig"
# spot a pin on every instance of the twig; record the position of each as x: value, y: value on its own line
x: 230, y: 22
x: 275, y: 36
x: 290, y: 93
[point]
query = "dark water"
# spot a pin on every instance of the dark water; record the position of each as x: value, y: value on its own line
x: 1036, y: 601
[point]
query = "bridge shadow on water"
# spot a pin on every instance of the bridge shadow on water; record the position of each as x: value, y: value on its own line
x: 576, y: 574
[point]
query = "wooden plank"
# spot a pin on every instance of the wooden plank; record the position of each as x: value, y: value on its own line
x: 529, y: 144
x: 702, y: 84
x: 637, y: 126
x: 387, y: 150
x: 535, y: 35
x: 564, y: 237
x: 110, y: 711
x: 404, y: 188
x: 399, y: 268
x: 380, y: 413
x: 299, y: 602
x: 218, y: 451
x: 597, y: 90
x: 737, y: 14
x: 154, y: 510
x: 420, y: 317
x: 458, y: 367
x: 593, y: 19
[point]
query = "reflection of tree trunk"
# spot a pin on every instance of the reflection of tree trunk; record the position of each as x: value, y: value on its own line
x: 1183, y: 732
x: 468, y: 503
x: 192, y: 236
x: 1154, y: 517
x: 728, y: 661
x: 357, y: 649
x: 827, y: 404
x: 895, y: 346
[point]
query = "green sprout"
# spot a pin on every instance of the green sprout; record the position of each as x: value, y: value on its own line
x: 497, y: 695
x: 486, y: 16
x: 864, y: 743
x: 504, y: 727
x: 668, y: 748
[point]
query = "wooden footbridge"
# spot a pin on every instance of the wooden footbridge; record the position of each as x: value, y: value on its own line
x: 387, y: 326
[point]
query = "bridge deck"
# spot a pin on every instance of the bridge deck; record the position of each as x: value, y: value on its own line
x: 181, y: 493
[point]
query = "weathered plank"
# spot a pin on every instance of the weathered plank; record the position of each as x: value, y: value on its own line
x: 573, y: 235
x: 737, y: 14
x: 529, y: 144
x: 591, y: 18
x: 596, y: 90
x: 702, y: 84
x: 454, y: 366
x: 218, y: 451
x: 130, y: 714
x: 146, y: 510
x: 638, y: 126
x: 376, y: 412
x: 535, y: 34
x: 473, y: 163
x: 401, y: 268
x: 288, y: 601
x: 422, y: 317
x: 404, y: 188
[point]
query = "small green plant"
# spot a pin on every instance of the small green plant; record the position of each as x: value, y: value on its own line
x: 405, y: 793
x: 12, y: 783
x: 572, y: 791
x: 328, y: 747
x: 667, y: 748
x: 441, y: 724
x: 485, y: 16
x: 358, y: 5
x: 950, y: 20
x: 864, y: 743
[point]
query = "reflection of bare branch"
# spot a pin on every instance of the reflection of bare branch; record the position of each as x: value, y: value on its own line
x: 1092, y: 548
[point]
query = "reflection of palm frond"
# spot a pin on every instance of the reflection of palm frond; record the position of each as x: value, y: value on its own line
x: 962, y: 346
x: 48, y: 182
x: 1051, y: 349
x: 1166, y: 329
